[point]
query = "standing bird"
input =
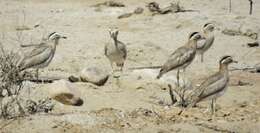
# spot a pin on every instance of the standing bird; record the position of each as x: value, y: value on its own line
x: 116, y: 52
x: 205, y: 44
x: 214, y: 86
x: 41, y: 55
x: 182, y: 57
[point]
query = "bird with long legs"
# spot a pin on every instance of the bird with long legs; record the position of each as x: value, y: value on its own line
x: 41, y: 55
x: 204, y: 44
x: 213, y: 87
x: 181, y: 57
x: 116, y: 52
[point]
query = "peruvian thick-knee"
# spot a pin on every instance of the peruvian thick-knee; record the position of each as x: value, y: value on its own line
x: 181, y: 57
x: 214, y: 86
x: 204, y: 45
x: 41, y: 55
x: 116, y: 52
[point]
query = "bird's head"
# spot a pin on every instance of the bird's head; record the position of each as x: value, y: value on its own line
x: 113, y: 33
x: 195, y: 36
x: 54, y: 36
x: 209, y: 27
x: 227, y: 60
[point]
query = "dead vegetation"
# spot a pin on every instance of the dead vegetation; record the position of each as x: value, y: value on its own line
x: 110, y: 4
x: 11, y: 83
x: 43, y: 105
x: 172, y: 8
x: 179, y: 95
x: 155, y: 9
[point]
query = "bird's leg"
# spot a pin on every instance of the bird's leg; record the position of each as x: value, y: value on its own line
x: 178, y: 77
x: 201, y: 57
x: 40, y: 79
x: 215, y: 100
x: 111, y: 64
x: 121, y: 67
x: 184, y: 73
x: 213, y: 106
x: 37, y: 74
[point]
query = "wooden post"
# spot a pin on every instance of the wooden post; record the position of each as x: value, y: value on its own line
x: 251, y: 7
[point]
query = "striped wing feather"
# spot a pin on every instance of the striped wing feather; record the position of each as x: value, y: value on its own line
x: 37, y: 56
x: 210, y: 87
x: 181, y: 56
x: 122, y: 48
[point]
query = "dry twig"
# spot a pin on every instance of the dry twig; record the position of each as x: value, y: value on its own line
x: 10, y: 84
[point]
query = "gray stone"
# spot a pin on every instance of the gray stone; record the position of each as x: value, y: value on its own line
x: 65, y: 92
x: 94, y: 75
x: 138, y: 79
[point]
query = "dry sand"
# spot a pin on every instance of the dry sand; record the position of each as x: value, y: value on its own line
x: 133, y: 106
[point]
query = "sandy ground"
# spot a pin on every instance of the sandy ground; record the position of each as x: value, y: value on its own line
x: 132, y: 105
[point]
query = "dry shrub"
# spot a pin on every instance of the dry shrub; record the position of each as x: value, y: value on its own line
x: 10, y: 83
x: 180, y: 94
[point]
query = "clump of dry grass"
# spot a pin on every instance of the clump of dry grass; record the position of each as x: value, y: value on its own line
x: 10, y: 84
x: 178, y: 95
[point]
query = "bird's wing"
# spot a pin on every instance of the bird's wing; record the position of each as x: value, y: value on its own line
x: 125, y: 53
x: 123, y: 49
x: 181, y: 56
x: 212, y: 85
x: 36, y: 57
x: 201, y: 43
x: 36, y: 50
x: 32, y: 45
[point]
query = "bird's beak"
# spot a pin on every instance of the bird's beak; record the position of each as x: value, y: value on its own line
x: 64, y: 37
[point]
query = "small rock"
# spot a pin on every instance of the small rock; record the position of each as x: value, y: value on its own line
x: 242, y: 83
x: 257, y: 67
x: 94, y: 75
x: 37, y: 25
x: 253, y: 44
x: 57, y: 11
x: 125, y: 15
x: 243, y: 104
x: 153, y: 7
x: 138, y: 10
x: 74, y: 78
x: 64, y: 92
